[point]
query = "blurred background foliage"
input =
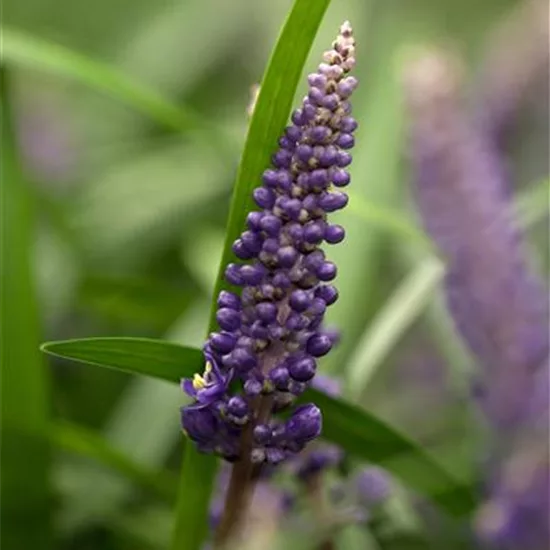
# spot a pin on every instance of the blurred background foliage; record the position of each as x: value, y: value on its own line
x: 129, y: 200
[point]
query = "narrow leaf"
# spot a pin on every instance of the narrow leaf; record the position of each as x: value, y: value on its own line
x: 360, y: 433
x: 270, y: 116
x: 85, y: 442
x: 365, y: 436
x: 387, y: 219
x: 403, y: 307
x: 25, y: 463
x: 23, y: 50
x: 133, y: 355
x: 196, y: 483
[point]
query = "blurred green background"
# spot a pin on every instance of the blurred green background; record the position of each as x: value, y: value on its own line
x: 122, y: 211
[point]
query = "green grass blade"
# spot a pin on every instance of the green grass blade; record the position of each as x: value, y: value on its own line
x: 406, y: 303
x: 365, y: 436
x: 133, y: 355
x: 23, y: 50
x: 82, y: 441
x: 357, y: 431
x: 134, y: 301
x: 387, y: 219
x: 25, y: 463
x: 198, y: 473
x: 270, y: 116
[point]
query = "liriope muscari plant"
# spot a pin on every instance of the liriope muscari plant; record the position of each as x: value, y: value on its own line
x: 271, y: 332
x: 499, y: 306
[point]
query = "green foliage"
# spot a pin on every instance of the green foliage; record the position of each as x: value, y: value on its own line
x: 25, y: 490
x: 81, y: 441
x: 196, y: 484
x: 133, y: 355
x: 406, y: 303
x: 358, y: 432
x: 270, y: 116
x: 128, y: 116
x: 23, y: 50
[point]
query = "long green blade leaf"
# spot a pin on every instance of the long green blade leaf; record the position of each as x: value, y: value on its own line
x: 195, y: 487
x: 25, y: 491
x: 365, y: 436
x: 133, y: 355
x: 85, y: 442
x: 270, y: 116
x: 357, y: 431
x: 387, y: 219
x: 22, y: 50
x: 403, y: 307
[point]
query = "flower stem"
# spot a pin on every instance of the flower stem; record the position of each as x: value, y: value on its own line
x: 321, y: 509
x: 242, y: 482
x: 237, y: 500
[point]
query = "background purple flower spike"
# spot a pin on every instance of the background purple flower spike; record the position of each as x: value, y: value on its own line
x: 498, y: 305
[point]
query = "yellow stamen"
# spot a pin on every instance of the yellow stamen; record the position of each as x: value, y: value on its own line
x: 199, y: 382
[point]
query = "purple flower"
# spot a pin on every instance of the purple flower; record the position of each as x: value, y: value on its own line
x: 498, y: 306
x: 373, y: 486
x: 271, y: 333
x: 318, y: 460
x: 209, y: 387
x: 321, y: 456
x: 517, y: 510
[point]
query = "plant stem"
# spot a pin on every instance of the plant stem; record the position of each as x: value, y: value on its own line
x: 242, y: 482
x: 321, y: 509
x: 239, y: 492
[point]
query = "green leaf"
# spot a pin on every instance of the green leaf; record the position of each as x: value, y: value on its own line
x: 148, y: 434
x: 141, y: 301
x: 364, y: 436
x: 133, y: 355
x: 82, y: 441
x: 387, y: 219
x: 25, y: 464
x: 360, y: 433
x: 198, y: 472
x: 270, y: 116
x: 22, y: 50
x: 406, y: 303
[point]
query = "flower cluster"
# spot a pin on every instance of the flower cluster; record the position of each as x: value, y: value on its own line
x: 271, y: 334
x: 499, y: 307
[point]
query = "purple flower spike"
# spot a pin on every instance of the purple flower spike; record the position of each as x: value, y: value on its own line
x: 499, y: 307
x: 271, y: 334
